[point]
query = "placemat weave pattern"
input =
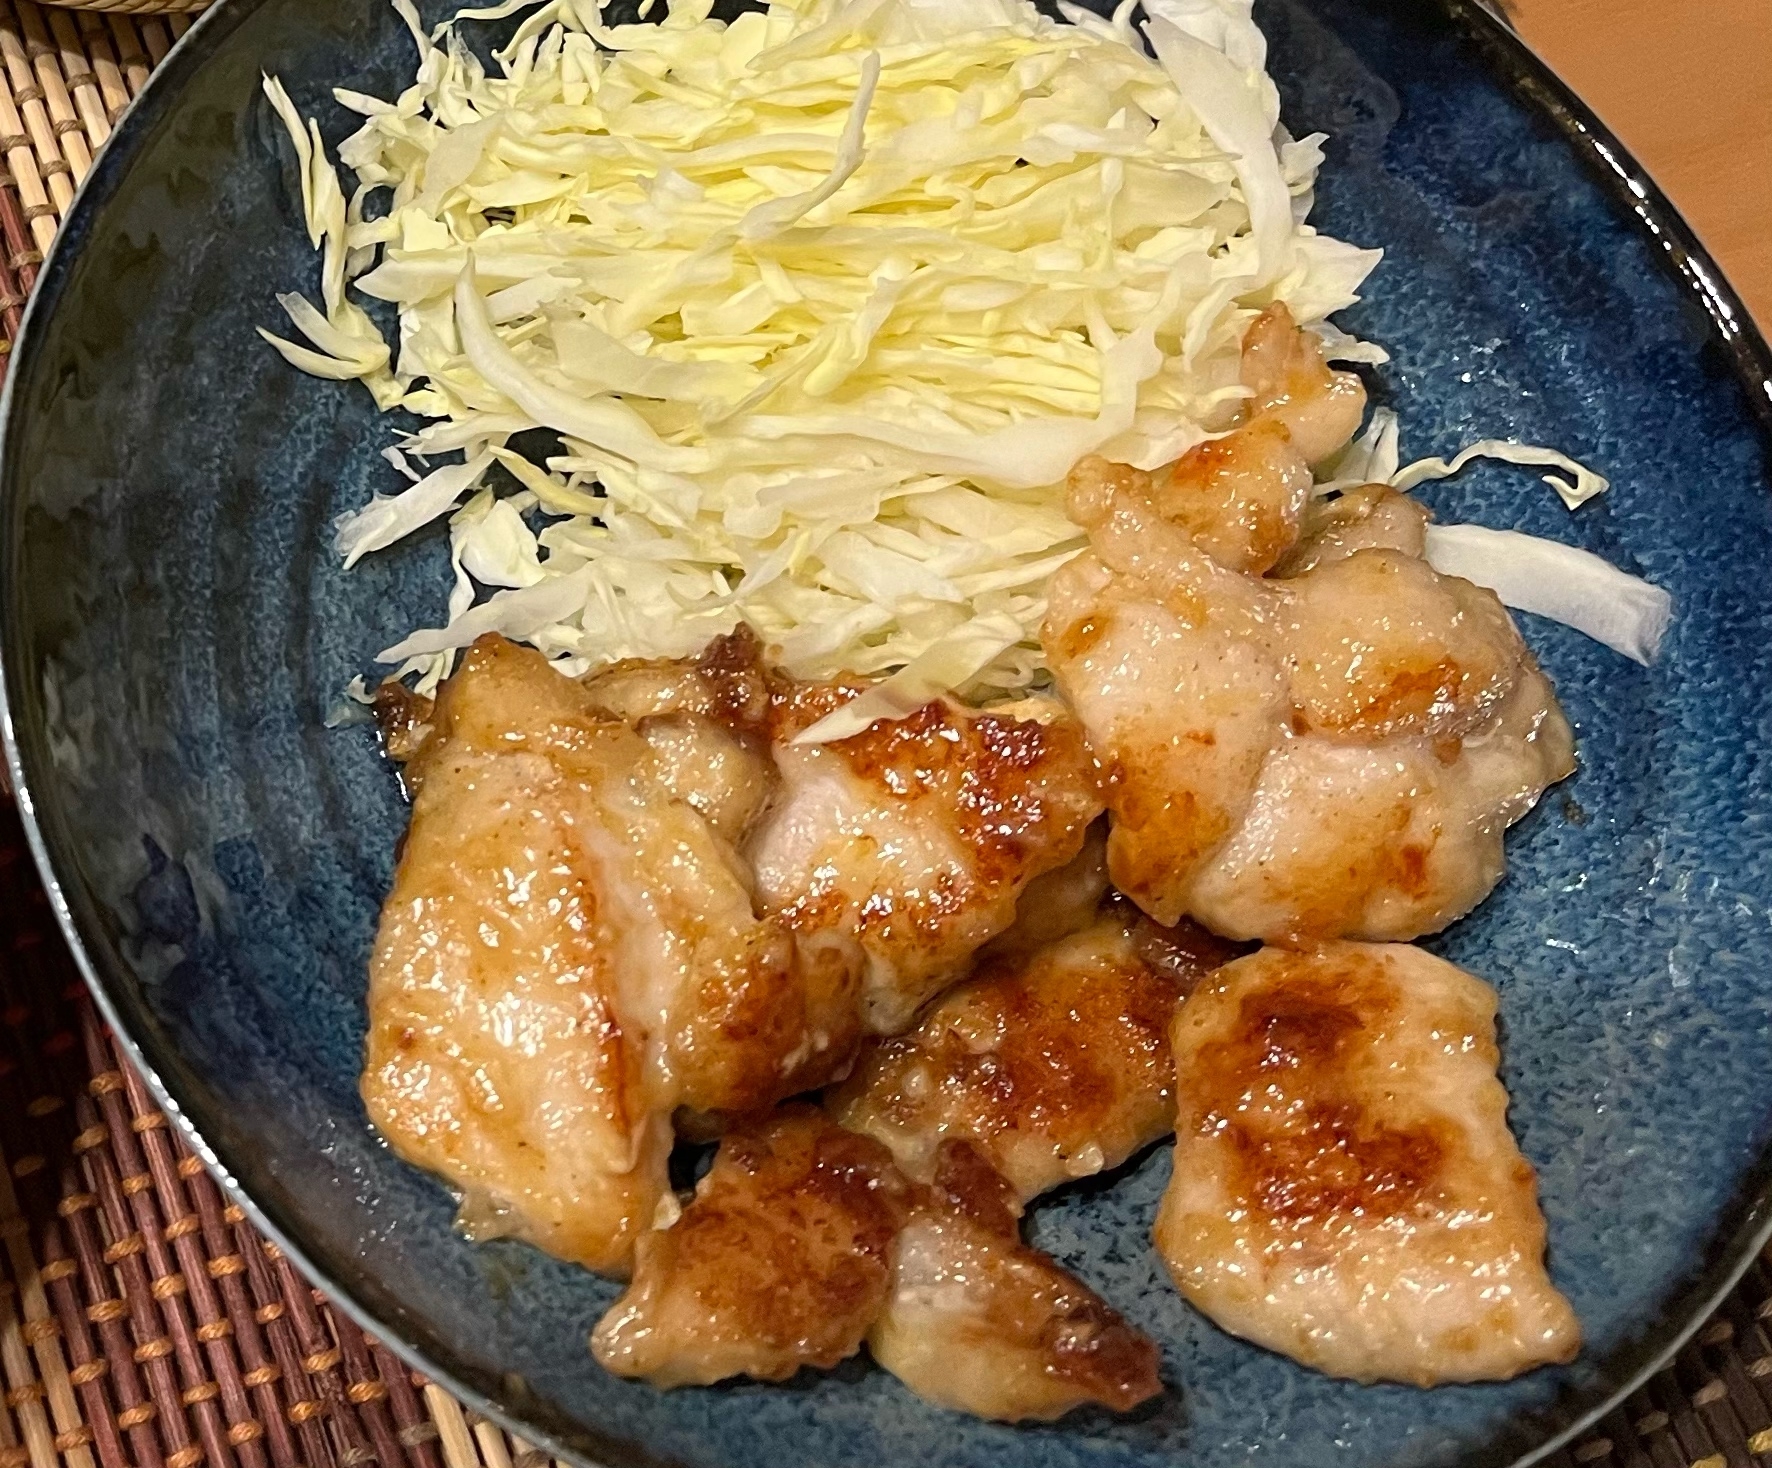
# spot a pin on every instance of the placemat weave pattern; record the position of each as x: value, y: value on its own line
x: 143, y: 1324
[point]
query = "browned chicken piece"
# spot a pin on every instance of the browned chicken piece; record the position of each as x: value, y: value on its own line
x: 915, y: 837
x: 1164, y: 656
x: 795, y: 1247
x: 1241, y: 498
x: 980, y: 1322
x: 707, y: 722
x: 496, y: 1055
x: 1283, y: 367
x: 781, y: 1260
x: 1333, y: 753
x: 1054, y: 1065
x: 1346, y: 1190
x: 1057, y: 903
x: 1419, y: 735
x: 570, y: 952
x: 1370, y: 517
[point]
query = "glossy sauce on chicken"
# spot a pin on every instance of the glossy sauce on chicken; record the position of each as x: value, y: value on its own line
x: 916, y: 837
x: 1054, y: 1066
x: 496, y: 1056
x: 781, y: 1260
x: 804, y: 1239
x: 1331, y: 750
x: 980, y: 1322
x: 1346, y: 1189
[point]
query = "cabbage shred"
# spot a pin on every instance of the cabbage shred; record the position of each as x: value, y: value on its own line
x: 822, y: 304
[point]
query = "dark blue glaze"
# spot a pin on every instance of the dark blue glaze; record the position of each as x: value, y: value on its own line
x: 176, y: 629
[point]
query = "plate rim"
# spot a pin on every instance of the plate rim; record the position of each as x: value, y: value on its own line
x: 1513, y: 64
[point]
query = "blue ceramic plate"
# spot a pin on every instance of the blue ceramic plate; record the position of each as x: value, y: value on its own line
x: 176, y: 628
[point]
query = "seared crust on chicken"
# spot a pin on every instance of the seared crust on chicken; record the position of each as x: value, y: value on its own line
x: 803, y: 1237
x: 1332, y: 752
x: 980, y: 1322
x: 781, y: 1260
x: 1054, y: 1066
x: 915, y: 837
x: 1346, y: 1189
x: 496, y: 1056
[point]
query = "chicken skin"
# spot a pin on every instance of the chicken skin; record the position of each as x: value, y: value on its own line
x: 1346, y: 1190
x: 1054, y: 1066
x: 781, y: 1260
x: 978, y: 1321
x: 916, y: 837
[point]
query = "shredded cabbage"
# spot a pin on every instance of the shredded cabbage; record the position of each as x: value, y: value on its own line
x: 823, y: 305
x: 1558, y: 581
x: 1528, y: 573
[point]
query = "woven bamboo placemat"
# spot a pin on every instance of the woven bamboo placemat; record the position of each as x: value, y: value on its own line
x: 143, y: 1324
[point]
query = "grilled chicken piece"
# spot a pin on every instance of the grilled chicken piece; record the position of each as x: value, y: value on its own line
x: 1240, y: 498
x: 707, y: 722
x: 1386, y: 840
x: 980, y: 1322
x: 1371, y: 517
x: 1346, y: 1189
x: 804, y: 1237
x: 781, y: 1260
x: 1283, y: 367
x: 1054, y: 1066
x: 915, y: 837
x: 569, y: 952
x: 1057, y: 903
x: 1165, y: 658
x: 1332, y: 753
x: 496, y: 1056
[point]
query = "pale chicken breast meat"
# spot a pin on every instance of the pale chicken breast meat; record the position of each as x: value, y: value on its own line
x: 915, y: 838
x: 1386, y: 840
x: 1331, y: 751
x: 1054, y: 1065
x: 1346, y: 1189
x: 978, y: 1321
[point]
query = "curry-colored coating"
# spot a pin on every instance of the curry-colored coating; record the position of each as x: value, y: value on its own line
x: 1345, y: 1187
x: 781, y: 1260
x: 916, y: 836
x: 978, y: 1321
x: 1054, y: 1066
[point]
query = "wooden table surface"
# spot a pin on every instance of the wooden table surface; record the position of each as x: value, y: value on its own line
x: 1687, y: 85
